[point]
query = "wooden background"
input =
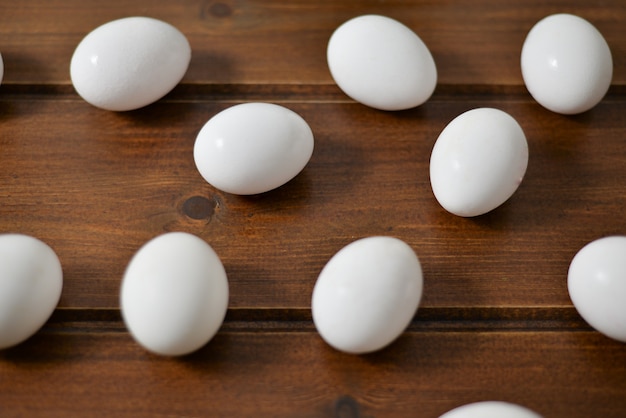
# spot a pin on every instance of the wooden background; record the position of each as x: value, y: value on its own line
x: 495, y: 322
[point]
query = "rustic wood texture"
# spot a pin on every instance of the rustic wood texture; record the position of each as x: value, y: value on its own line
x: 276, y: 41
x: 495, y: 322
x: 294, y: 374
x: 96, y: 185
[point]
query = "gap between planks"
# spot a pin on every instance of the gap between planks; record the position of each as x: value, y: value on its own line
x: 309, y: 93
x: 430, y: 319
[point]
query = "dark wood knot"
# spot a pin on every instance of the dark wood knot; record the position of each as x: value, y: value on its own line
x: 199, y: 207
x: 346, y: 407
x: 220, y: 10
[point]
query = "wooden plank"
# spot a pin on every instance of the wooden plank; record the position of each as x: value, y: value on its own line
x: 285, y: 374
x: 96, y: 185
x: 277, y: 42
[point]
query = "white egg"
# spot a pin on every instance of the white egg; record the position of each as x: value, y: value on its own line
x: 129, y: 63
x: 490, y: 409
x: 252, y: 148
x: 1, y: 69
x: 566, y: 64
x: 31, y: 280
x: 597, y: 285
x: 478, y: 162
x: 381, y: 63
x: 367, y: 294
x: 174, y: 294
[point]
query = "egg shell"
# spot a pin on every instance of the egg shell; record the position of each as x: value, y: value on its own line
x: 252, y: 148
x: 478, y: 162
x: 566, y: 64
x: 129, y: 63
x: 490, y: 409
x: 31, y: 281
x: 596, y: 282
x: 174, y: 294
x: 1, y: 69
x: 367, y: 294
x: 381, y: 63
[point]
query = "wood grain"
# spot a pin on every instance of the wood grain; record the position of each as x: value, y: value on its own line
x: 495, y: 322
x: 277, y: 42
x: 286, y: 374
x: 95, y: 185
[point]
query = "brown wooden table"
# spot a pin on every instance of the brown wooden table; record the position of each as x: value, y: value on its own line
x: 495, y: 322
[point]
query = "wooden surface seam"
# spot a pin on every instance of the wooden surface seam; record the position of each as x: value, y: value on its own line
x: 483, y: 319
